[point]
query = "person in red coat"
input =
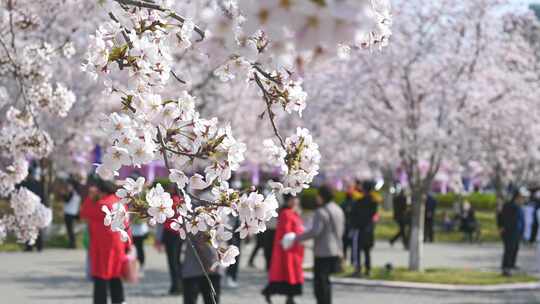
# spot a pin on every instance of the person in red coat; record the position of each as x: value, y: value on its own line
x: 106, y: 250
x: 286, y: 276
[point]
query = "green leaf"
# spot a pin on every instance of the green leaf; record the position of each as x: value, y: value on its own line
x: 118, y: 53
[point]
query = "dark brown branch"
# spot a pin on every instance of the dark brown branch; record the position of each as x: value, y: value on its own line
x: 177, y: 78
x: 265, y: 74
x: 11, y: 27
x: 184, y: 153
x: 271, y: 114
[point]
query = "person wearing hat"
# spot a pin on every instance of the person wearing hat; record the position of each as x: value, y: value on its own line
x: 511, y: 223
x: 363, y: 218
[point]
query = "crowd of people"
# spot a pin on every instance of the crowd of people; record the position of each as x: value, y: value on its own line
x: 193, y: 275
x: 341, y: 234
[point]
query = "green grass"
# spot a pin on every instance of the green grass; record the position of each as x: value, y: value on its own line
x: 386, y: 228
x: 10, y: 246
x: 445, y: 276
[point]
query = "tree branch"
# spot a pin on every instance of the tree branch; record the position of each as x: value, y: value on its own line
x: 188, y: 238
x: 153, y: 6
x: 271, y: 114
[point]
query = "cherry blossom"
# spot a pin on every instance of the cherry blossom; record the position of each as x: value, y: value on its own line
x: 228, y: 256
x: 160, y: 205
x: 29, y: 216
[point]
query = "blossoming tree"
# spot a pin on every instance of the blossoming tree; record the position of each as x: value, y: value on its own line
x: 445, y: 63
x: 502, y: 131
x: 33, y: 92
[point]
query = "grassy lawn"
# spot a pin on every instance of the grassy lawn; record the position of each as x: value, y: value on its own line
x: 58, y: 241
x: 445, y: 276
x: 386, y: 228
x: 10, y: 246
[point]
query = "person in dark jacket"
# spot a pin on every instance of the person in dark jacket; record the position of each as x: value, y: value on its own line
x: 467, y: 222
x: 431, y: 206
x: 401, y: 218
x: 346, y: 206
x: 363, y: 229
x: 511, y: 224
x: 535, y: 195
x: 196, y: 283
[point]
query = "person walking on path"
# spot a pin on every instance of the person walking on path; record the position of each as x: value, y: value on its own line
x: 140, y: 231
x: 511, y: 224
x: 170, y: 238
x: 346, y: 206
x: 107, y: 251
x: 431, y: 207
x: 535, y: 195
x: 467, y: 222
x: 363, y: 217
x: 194, y: 278
x: 327, y: 232
x: 268, y: 241
x: 286, y: 276
x: 71, y: 212
x: 400, y: 217
x: 537, y: 234
x: 259, y: 244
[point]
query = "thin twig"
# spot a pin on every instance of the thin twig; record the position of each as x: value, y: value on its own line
x: 177, y: 78
x: 17, y: 75
x: 271, y: 114
x: 11, y: 27
x: 184, y: 153
x: 265, y: 74
x: 123, y: 32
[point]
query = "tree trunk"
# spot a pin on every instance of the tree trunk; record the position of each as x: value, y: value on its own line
x: 388, y: 200
x: 45, y: 179
x: 499, y: 186
x: 388, y: 176
x: 416, y: 241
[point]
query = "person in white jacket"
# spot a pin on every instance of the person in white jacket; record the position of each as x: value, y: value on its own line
x: 71, y: 213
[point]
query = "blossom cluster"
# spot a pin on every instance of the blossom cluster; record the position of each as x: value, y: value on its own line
x: 29, y: 216
x: 298, y: 161
x: 210, y: 215
x: 19, y: 139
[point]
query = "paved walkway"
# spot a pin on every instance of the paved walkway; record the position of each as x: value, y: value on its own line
x: 57, y: 277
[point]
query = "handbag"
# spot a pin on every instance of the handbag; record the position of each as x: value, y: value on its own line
x: 339, y: 266
x: 130, y: 268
